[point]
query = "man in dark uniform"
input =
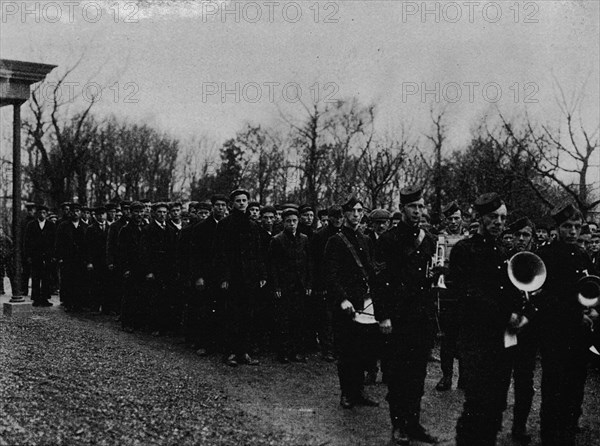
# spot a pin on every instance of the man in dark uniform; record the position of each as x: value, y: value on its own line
x: 322, y: 305
x: 405, y: 311
x: 525, y: 352
x: 254, y: 210
x: 96, y: 236
x: 307, y: 220
x: 203, y: 210
x: 134, y: 308
x: 111, y: 213
x: 71, y: 256
x: 39, y: 240
x: 205, y: 305
x: 349, y: 277
x: 241, y: 271
x: 565, y: 331
x: 175, y: 222
x: 291, y: 285
x: 159, y: 247
x: 323, y: 218
x: 490, y: 313
x: 114, y: 286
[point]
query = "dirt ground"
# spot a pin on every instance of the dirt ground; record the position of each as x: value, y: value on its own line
x: 68, y: 379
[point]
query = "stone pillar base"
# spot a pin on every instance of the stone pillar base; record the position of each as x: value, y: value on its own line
x: 17, y: 309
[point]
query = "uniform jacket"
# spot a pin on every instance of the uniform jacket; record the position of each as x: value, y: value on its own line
x: 344, y: 278
x: 403, y: 289
x: 159, y: 251
x: 239, y: 256
x: 39, y: 244
x: 70, y: 243
x: 290, y: 261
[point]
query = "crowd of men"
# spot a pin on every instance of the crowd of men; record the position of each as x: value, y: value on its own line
x: 369, y: 289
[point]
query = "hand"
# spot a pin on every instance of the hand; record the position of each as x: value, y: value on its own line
x: 385, y: 326
x: 262, y: 283
x: 111, y: 267
x: 149, y: 276
x: 200, y: 284
x: 347, y: 307
x: 90, y: 267
x: 278, y: 293
x: 225, y: 285
x: 308, y: 291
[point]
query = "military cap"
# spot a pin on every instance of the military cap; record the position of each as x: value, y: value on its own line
x: 411, y: 194
x: 487, y: 203
x: 136, y: 205
x: 30, y: 205
x: 41, y: 207
x: 335, y: 211
x: 266, y: 209
x: 322, y: 213
x: 520, y: 224
x: 349, y: 205
x: 110, y: 206
x: 289, y: 212
x: 218, y: 197
x: 175, y: 204
x: 379, y: 214
x: 565, y: 213
x: 204, y: 205
x: 237, y: 192
x: 254, y: 204
x: 450, y: 209
x: 305, y: 208
x: 288, y: 206
x: 100, y: 210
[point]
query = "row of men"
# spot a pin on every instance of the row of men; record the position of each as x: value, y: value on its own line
x: 224, y: 259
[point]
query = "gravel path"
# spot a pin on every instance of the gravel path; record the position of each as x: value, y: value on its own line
x: 79, y: 380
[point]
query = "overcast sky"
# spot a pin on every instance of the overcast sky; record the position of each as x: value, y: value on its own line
x: 171, y: 60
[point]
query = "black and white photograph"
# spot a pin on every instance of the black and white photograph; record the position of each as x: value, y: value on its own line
x: 299, y: 223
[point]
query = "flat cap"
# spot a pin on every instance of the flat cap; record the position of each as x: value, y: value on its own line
x: 379, y: 214
x: 322, y: 213
x: 136, y: 205
x: 411, y: 194
x: 266, y: 209
x: 306, y: 208
x: 487, y: 203
x: 254, y: 204
x: 520, y: 224
x: 218, y: 197
x: 450, y: 209
x: 565, y: 213
x: 237, y: 192
x: 335, y: 211
x: 204, y: 205
x: 160, y: 204
x: 100, y: 210
x: 288, y: 206
x: 289, y: 212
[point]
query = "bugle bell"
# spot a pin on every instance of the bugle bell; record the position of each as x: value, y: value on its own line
x: 588, y: 290
x: 526, y: 271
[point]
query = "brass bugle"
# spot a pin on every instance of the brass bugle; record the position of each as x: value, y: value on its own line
x: 526, y: 271
x: 588, y: 290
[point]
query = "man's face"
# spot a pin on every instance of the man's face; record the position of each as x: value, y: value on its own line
x: 219, y: 209
x: 111, y: 215
x: 202, y: 214
x: 278, y: 215
x: 354, y: 216
x: 493, y: 222
x: 290, y: 224
x: 324, y: 220
x: 175, y: 213
x: 75, y: 214
x: 53, y: 219
x: 569, y: 230
x: 523, y: 238
x: 31, y: 212
x: 136, y: 215
x: 593, y: 227
x: 101, y: 217
x: 308, y: 218
x: 118, y: 214
x: 380, y: 226
x: 88, y: 215
x: 412, y: 212
x: 454, y: 222
x: 240, y: 202
x: 147, y: 210
x: 594, y: 244
x: 336, y: 222
x: 66, y: 211
x: 42, y: 214
x: 507, y: 241
x: 161, y: 214
x: 268, y: 220
x: 554, y: 234
x: 254, y: 213
x: 542, y: 235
